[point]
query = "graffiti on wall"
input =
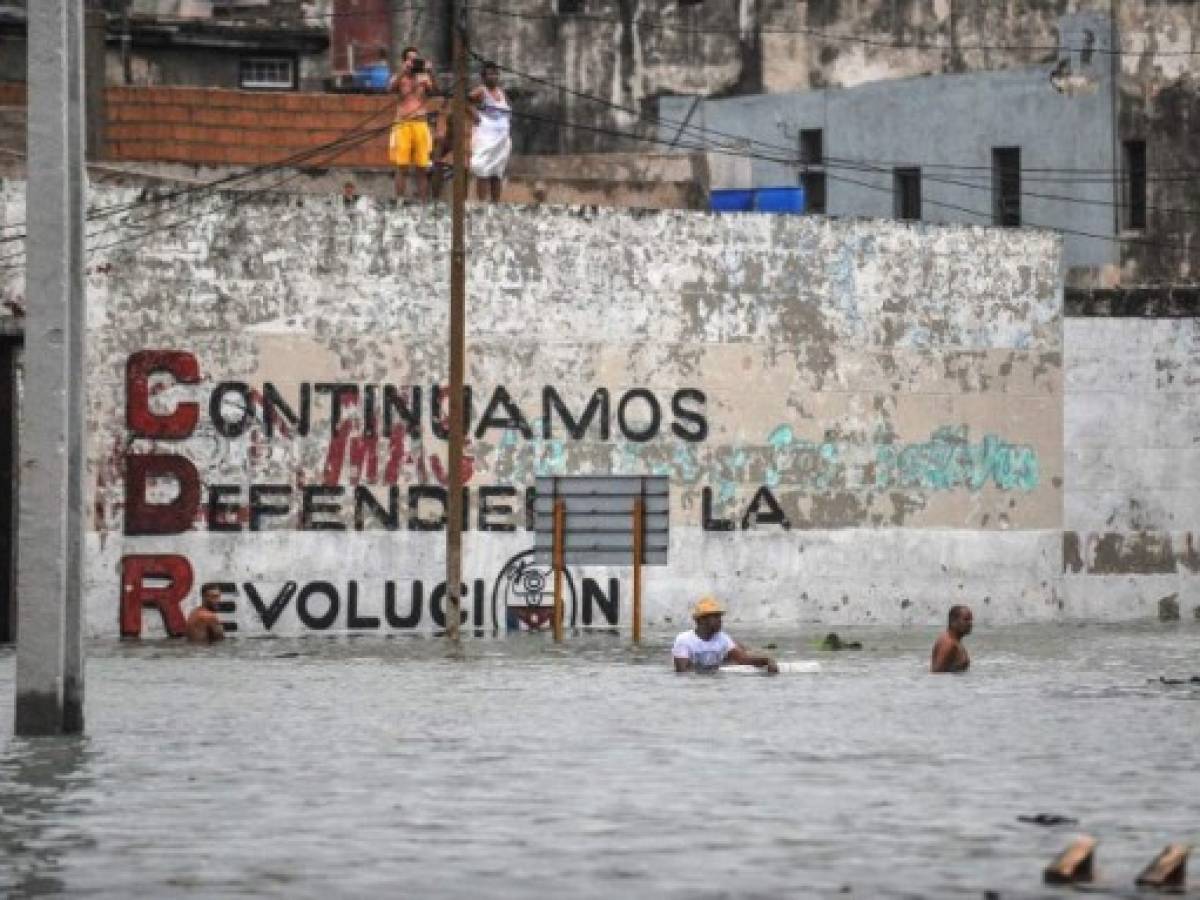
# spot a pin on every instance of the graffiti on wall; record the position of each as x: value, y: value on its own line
x: 360, y: 457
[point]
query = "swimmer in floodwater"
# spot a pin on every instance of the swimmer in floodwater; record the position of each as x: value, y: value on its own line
x: 949, y: 655
x: 203, y: 626
x: 706, y: 647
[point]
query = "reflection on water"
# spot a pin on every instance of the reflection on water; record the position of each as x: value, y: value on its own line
x: 43, y: 790
x: 326, y: 767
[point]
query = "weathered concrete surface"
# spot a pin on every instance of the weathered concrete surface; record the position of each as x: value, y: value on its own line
x: 861, y: 421
x: 1132, y: 431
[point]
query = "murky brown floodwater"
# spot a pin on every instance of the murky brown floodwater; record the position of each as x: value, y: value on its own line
x: 316, y: 768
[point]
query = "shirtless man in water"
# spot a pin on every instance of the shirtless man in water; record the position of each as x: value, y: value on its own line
x: 203, y: 626
x: 949, y: 655
x: 410, y: 146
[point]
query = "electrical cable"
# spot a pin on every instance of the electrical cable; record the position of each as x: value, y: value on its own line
x: 986, y: 215
x: 867, y: 165
x: 740, y: 139
x: 337, y: 149
x: 225, y: 181
x: 825, y: 35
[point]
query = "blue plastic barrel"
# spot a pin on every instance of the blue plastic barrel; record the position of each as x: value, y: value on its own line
x: 731, y: 201
x: 779, y: 200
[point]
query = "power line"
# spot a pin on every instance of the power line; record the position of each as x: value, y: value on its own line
x: 342, y: 145
x: 225, y: 181
x: 741, y: 139
x: 987, y: 215
x: 870, y: 165
x: 825, y: 35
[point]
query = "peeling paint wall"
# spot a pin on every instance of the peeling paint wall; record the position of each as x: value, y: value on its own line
x: 861, y: 421
x: 630, y: 53
x: 1132, y: 428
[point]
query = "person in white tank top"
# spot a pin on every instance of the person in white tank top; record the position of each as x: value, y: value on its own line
x: 491, y: 141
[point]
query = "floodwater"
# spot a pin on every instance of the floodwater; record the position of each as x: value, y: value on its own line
x: 370, y: 767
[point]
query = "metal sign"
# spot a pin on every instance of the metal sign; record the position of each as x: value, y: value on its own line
x: 598, y: 521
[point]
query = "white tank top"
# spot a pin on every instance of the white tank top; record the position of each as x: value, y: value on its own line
x: 495, y: 116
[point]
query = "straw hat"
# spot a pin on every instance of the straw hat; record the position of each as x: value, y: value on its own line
x: 707, y: 606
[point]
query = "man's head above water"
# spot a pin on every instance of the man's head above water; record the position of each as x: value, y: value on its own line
x: 961, y: 619
x: 708, y: 612
x: 210, y: 597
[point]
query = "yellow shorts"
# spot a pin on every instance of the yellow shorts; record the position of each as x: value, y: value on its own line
x: 410, y: 144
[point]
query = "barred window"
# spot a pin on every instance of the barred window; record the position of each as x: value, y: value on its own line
x: 267, y: 73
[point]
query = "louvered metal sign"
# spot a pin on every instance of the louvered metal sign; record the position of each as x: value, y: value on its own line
x: 598, y: 519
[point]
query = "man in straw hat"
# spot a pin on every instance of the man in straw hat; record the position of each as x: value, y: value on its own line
x: 706, y: 647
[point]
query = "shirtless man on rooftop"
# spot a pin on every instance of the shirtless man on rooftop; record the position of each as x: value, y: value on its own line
x: 949, y: 655
x: 410, y: 145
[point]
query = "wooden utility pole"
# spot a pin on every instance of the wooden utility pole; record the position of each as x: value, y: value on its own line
x: 458, y: 292
x: 560, y: 519
x: 639, y: 520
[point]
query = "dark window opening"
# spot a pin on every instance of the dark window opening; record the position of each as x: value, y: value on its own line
x: 1089, y: 47
x: 1006, y: 186
x: 1134, y: 201
x: 570, y: 7
x: 812, y: 147
x: 814, y: 191
x: 908, y: 193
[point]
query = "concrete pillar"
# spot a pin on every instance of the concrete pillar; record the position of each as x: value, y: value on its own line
x: 49, y: 651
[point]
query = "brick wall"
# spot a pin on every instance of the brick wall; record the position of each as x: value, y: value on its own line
x: 209, y: 126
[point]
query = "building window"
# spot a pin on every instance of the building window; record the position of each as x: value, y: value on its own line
x: 1006, y: 186
x: 814, y: 191
x: 267, y: 73
x: 812, y: 147
x: 1133, y: 206
x: 908, y: 193
x: 570, y: 7
x: 812, y: 173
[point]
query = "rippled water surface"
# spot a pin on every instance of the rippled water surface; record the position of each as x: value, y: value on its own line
x: 366, y: 767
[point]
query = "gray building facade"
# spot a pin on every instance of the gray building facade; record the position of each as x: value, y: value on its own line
x: 1034, y: 147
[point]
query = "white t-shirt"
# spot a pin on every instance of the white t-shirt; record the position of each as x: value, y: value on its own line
x: 703, y: 654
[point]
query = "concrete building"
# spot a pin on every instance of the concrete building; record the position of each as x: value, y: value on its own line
x: 248, y: 44
x: 857, y: 421
x: 609, y: 68
x: 1004, y: 148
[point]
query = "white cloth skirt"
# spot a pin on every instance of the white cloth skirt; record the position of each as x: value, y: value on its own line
x: 489, y: 153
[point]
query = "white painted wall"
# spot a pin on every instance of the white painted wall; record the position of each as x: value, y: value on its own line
x: 806, y: 337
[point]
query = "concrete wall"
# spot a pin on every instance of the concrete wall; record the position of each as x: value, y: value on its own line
x: 1132, y: 431
x: 947, y: 126
x: 861, y: 421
